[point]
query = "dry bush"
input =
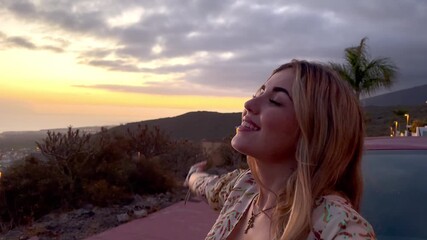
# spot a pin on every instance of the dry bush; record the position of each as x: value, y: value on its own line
x: 228, y: 157
x: 29, y: 190
x: 150, y: 178
x: 102, y: 193
x: 124, y: 160
x: 76, y: 169
x: 179, y: 159
x: 68, y: 153
x: 232, y: 158
x: 149, y: 142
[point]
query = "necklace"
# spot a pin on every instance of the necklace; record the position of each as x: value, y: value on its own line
x: 254, y: 215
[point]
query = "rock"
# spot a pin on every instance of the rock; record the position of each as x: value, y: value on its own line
x: 138, y: 207
x: 13, y: 234
x: 84, y: 213
x: 140, y: 213
x: 137, y: 198
x: 52, y: 225
x: 122, y: 218
x: 89, y: 220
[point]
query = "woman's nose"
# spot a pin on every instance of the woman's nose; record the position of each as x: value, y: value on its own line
x: 251, y: 105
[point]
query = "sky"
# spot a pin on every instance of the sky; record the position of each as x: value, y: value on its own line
x: 92, y: 63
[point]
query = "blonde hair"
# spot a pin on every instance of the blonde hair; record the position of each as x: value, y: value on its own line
x: 328, y: 151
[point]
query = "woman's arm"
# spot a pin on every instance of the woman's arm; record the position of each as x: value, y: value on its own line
x: 194, y: 177
x: 213, y: 189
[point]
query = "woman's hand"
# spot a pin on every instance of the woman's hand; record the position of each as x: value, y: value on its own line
x: 198, y: 167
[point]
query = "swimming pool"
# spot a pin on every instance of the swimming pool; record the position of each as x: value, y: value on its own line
x: 395, y: 195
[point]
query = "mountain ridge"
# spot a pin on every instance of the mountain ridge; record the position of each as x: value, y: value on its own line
x: 413, y: 96
x: 194, y: 126
x: 215, y: 126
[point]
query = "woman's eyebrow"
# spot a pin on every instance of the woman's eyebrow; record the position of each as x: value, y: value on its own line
x: 280, y: 89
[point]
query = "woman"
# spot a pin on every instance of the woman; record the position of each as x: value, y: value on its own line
x: 303, y: 134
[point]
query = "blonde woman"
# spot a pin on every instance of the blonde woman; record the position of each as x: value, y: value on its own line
x: 303, y: 134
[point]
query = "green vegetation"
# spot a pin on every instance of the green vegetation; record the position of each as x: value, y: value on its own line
x: 228, y: 157
x: 364, y: 74
x: 76, y: 168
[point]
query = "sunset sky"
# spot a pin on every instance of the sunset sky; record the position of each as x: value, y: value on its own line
x: 91, y: 63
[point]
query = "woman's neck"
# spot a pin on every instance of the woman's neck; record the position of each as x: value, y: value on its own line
x: 273, y: 178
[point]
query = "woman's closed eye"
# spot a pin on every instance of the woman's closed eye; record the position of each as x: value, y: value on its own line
x: 261, y: 91
x: 275, y: 102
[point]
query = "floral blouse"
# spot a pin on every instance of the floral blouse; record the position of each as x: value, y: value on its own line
x: 232, y: 193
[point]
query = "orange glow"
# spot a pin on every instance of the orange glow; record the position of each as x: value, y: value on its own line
x: 39, y: 90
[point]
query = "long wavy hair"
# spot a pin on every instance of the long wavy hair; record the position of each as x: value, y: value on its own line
x: 329, y: 148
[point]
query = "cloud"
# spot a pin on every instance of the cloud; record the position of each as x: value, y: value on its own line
x: 234, y: 44
x: 63, y: 14
x: 21, y: 42
x: 116, y: 65
x: 176, y: 88
x: 53, y: 49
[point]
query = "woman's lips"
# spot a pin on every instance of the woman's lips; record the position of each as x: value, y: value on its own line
x: 248, y: 126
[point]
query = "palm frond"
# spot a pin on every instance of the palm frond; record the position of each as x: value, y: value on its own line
x: 365, y: 75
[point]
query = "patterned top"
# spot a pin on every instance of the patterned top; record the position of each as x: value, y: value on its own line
x: 232, y: 193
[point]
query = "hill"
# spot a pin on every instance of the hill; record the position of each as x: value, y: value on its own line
x: 195, y: 126
x: 415, y: 96
x: 214, y: 126
x: 379, y: 119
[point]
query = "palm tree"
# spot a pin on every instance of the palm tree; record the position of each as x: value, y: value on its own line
x: 365, y: 75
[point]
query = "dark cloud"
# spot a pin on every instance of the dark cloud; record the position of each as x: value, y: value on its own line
x: 97, y: 53
x: 23, y: 8
x: 116, y: 65
x: 237, y: 44
x: 21, y: 42
x: 53, y: 49
x: 58, y: 14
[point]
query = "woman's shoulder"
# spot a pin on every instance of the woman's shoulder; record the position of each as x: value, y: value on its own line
x: 334, y: 202
x: 334, y: 218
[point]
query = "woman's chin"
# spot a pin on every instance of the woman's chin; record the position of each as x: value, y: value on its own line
x: 239, y: 145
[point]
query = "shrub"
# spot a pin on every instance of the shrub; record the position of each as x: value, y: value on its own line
x: 149, y: 142
x: 227, y: 157
x: 179, y: 159
x: 117, y: 161
x: 77, y: 168
x: 102, y: 193
x: 149, y: 178
x: 28, y: 190
x: 232, y: 158
x: 68, y: 154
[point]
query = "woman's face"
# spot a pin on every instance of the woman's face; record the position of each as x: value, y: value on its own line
x: 269, y: 128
